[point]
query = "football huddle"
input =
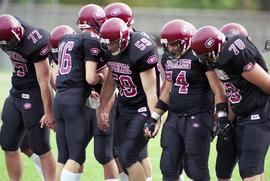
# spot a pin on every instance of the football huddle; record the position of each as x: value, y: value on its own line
x: 108, y: 82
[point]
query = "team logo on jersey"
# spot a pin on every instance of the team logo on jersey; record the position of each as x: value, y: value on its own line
x: 115, y: 12
x: 94, y: 51
x: 27, y: 106
x: 44, y: 51
x: 209, y: 43
x: 221, y: 74
x: 248, y: 67
x: 178, y: 64
x: 152, y: 59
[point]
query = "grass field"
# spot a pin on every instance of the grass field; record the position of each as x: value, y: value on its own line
x: 93, y: 171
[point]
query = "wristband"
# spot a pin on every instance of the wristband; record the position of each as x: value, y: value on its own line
x: 155, y: 116
x: 222, y: 107
x: 162, y: 105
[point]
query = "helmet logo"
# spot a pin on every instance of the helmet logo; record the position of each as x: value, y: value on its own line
x: 209, y: 43
x: 184, y: 30
x: 115, y: 12
x: 235, y: 32
x: 97, y: 14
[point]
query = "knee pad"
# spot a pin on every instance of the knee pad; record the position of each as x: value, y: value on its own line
x: 39, y: 140
x: 10, y: 143
x: 196, y: 172
x: 144, y: 153
x: 168, y: 167
x: 40, y: 148
x: 63, y: 157
x: 250, y: 166
x: 103, y: 156
x: 78, y: 156
x: 8, y: 146
x: 125, y: 159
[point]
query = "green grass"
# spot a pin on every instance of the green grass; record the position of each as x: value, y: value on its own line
x: 93, y: 171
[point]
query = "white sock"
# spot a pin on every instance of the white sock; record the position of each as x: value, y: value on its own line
x: 148, y: 179
x: 181, y: 177
x: 67, y: 175
x: 123, y: 176
x: 112, y: 179
x: 79, y: 176
x: 36, y: 160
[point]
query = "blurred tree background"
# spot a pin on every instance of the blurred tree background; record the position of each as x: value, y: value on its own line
x: 256, y: 5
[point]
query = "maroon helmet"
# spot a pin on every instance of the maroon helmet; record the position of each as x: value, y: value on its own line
x: 233, y: 29
x: 57, y: 34
x: 91, y: 16
x: 206, y: 43
x: 120, y: 10
x: 114, y: 30
x: 177, y: 31
x: 11, y: 30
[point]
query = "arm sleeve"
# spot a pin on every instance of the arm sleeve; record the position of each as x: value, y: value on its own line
x: 147, y: 61
x: 91, y: 50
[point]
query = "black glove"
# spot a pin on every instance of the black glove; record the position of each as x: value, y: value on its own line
x: 224, y: 128
x: 150, y: 124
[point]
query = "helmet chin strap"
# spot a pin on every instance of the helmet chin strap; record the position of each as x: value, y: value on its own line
x: 116, y: 52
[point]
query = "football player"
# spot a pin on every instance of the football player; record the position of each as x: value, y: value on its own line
x: 132, y: 60
x: 188, y: 95
x: 90, y: 18
x: 78, y: 55
x: 243, y: 72
x: 29, y: 105
x: 124, y: 12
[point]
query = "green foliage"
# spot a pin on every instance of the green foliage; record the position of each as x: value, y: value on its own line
x: 199, y: 4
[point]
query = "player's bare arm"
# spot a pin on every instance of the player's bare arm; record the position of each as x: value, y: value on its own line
x: 106, y: 95
x: 164, y: 96
x: 43, y: 72
x: 148, y: 78
x: 91, y: 76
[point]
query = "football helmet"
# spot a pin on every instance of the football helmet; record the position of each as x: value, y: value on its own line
x: 178, y: 33
x: 57, y: 34
x: 119, y: 10
x: 233, y: 29
x: 11, y: 31
x: 114, y: 36
x: 91, y: 16
x: 206, y: 43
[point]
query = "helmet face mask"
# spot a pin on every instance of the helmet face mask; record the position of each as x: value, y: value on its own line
x: 174, y: 49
